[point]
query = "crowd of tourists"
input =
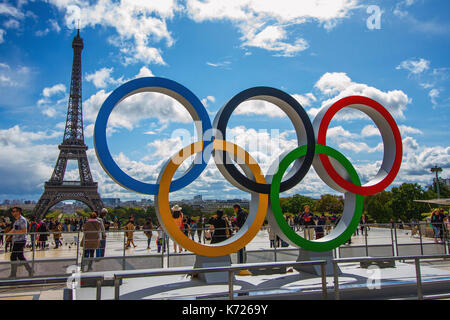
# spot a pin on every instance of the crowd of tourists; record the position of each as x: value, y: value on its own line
x: 217, y: 228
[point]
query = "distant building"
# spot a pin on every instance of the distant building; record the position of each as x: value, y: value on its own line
x: 111, y: 202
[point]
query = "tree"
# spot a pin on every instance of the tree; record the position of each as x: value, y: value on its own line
x: 444, y: 190
x: 378, y: 207
x: 403, y: 204
x: 296, y: 203
x: 330, y: 203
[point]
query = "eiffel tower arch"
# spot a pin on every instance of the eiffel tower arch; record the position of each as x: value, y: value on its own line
x: 72, y: 148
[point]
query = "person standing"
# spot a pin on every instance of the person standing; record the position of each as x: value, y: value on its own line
x: 308, y: 221
x: 19, y: 237
x: 43, y: 235
x: 272, y: 236
x: 91, y: 239
x: 219, y: 227
x: 160, y: 239
x: 177, y: 215
x: 148, y: 227
x: 200, y: 226
x: 241, y: 216
x: 105, y: 227
x: 8, y: 237
x: 57, y: 228
x: 193, y: 228
x: 437, y: 219
x: 2, y: 230
x: 130, y: 234
x: 320, y: 226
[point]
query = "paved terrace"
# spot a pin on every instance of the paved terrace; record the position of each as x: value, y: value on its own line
x: 182, y: 287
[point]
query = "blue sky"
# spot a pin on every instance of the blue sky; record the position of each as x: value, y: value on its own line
x: 317, y: 51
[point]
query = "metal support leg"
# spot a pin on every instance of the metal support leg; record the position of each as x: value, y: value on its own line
x: 78, y: 247
x: 166, y: 241
x: 365, y: 239
x: 33, y: 244
x: 230, y: 285
x: 392, y: 239
x: 124, y: 248
x: 396, y: 241
x: 421, y: 240
x: 275, y: 250
x: 324, y: 281
x: 99, y: 289
x: 336, y: 281
x: 116, y: 288
x: 418, y: 279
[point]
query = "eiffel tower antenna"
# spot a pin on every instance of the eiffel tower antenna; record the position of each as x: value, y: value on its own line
x: 71, y: 148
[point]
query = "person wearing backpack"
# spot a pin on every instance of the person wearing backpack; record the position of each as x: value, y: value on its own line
x: 42, y: 229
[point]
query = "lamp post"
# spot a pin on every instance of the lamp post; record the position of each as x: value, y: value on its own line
x: 436, y: 170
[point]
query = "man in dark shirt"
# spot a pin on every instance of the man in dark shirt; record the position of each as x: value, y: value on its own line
x: 241, y: 216
x: 220, y: 225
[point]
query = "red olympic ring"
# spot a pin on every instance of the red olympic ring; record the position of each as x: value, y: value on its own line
x: 322, y: 136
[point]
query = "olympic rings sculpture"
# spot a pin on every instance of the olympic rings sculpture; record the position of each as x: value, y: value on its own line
x: 331, y: 166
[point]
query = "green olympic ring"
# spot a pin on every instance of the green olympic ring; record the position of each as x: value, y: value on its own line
x: 338, y: 236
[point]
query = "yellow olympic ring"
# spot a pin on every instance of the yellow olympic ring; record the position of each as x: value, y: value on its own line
x: 245, y: 234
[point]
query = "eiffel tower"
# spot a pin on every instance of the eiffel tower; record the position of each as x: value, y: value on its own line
x: 72, y: 148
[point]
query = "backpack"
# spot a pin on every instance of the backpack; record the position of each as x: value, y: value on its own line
x: 43, y: 228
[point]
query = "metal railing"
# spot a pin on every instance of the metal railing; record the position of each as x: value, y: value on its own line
x: 416, y: 259
x: 279, y: 254
x: 231, y: 270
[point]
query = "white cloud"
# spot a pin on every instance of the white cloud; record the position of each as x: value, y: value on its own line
x: 394, y: 101
x: 224, y: 64
x: 339, y: 132
x: 50, y: 91
x: 9, y: 10
x: 101, y: 78
x: 54, y: 100
x: 370, y: 130
x: 414, y: 66
x: 144, y: 72
x: 271, y: 38
x: 208, y: 99
x: 404, y: 130
x: 434, y: 94
x: 265, y: 25
x: 12, y: 24
x: 360, y: 147
x: 334, y: 82
x: 16, y: 136
x: 16, y: 76
x: 259, y: 107
x: 138, y: 24
x: 136, y: 108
